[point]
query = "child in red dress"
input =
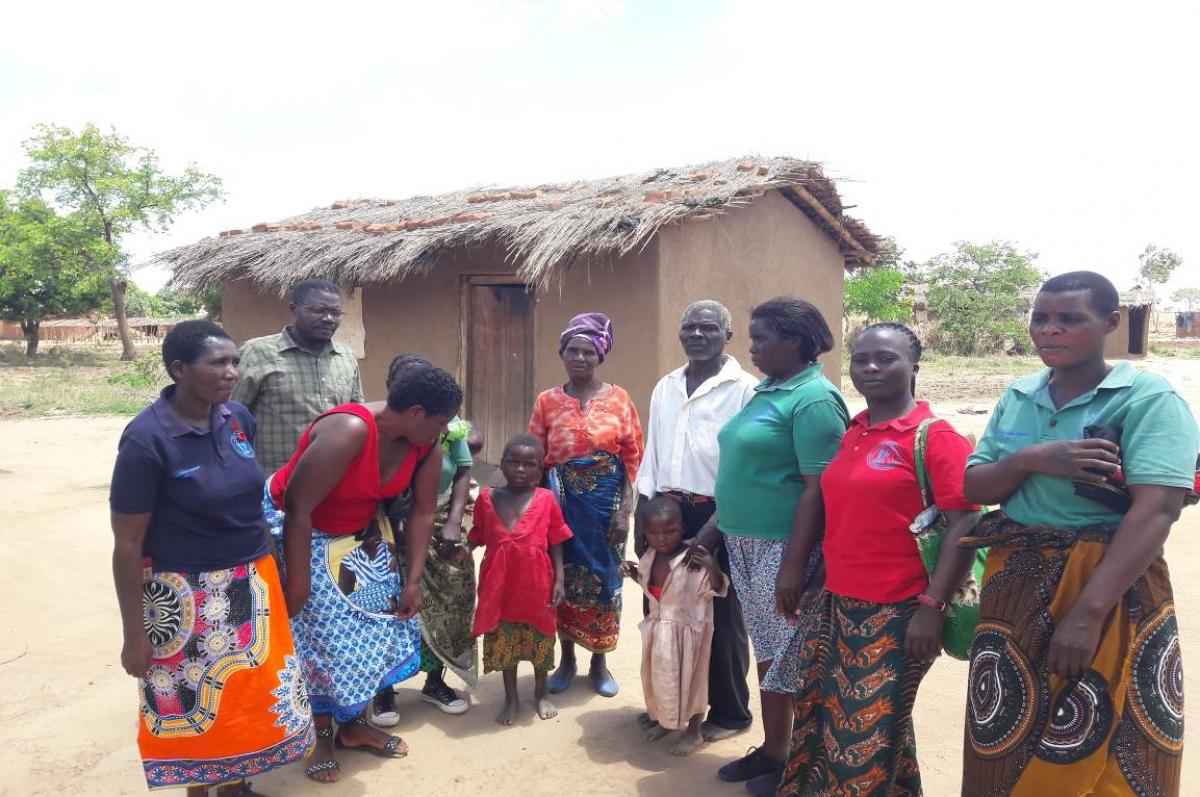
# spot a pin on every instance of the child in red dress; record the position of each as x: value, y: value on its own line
x: 521, y: 578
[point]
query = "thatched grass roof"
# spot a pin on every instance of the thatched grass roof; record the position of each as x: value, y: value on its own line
x: 543, y: 229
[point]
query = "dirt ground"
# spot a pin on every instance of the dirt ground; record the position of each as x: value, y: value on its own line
x: 68, y: 713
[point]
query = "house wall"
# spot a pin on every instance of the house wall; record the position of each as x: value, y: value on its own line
x: 422, y: 314
x: 743, y: 257
x: 1116, y: 345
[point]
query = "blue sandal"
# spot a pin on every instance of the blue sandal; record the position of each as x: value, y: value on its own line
x: 605, y: 685
x: 557, y: 683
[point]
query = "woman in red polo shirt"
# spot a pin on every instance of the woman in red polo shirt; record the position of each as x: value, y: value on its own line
x: 880, y: 623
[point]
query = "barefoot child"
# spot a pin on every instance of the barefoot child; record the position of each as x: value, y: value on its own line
x: 521, y: 578
x: 677, y: 633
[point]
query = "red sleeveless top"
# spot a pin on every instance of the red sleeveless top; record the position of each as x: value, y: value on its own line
x: 351, y: 504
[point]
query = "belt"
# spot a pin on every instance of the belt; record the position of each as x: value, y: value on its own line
x: 684, y: 497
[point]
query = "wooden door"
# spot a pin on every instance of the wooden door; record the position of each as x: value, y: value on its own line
x: 499, y: 362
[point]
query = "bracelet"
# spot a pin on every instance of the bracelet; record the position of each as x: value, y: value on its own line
x: 933, y: 603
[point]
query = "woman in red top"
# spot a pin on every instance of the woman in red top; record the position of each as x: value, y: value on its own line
x: 879, y: 620
x: 521, y: 578
x: 350, y: 459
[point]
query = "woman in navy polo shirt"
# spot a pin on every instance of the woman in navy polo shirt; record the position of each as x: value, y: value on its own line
x: 878, y: 624
x: 205, y: 624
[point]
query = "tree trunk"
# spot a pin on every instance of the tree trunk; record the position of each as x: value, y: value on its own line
x: 128, y: 352
x: 31, y: 329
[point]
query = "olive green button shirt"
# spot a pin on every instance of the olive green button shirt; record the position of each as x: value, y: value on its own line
x: 786, y: 432
x: 286, y: 387
x: 1159, y: 440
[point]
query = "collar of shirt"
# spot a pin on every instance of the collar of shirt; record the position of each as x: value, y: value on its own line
x: 1037, y: 386
x: 175, y: 426
x: 288, y: 341
x: 731, y: 371
x: 904, y: 423
x: 804, y: 377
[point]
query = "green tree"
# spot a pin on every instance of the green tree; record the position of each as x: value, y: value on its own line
x: 1190, y: 296
x: 1156, y: 267
x: 975, y: 295
x: 113, y: 188
x: 877, y: 293
x: 47, y: 266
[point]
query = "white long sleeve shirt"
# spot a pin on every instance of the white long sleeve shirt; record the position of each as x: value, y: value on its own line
x: 681, y: 433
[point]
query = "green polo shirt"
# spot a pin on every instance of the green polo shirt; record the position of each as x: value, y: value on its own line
x: 786, y: 432
x: 1159, y: 440
x: 455, y: 454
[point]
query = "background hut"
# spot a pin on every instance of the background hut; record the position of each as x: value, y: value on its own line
x: 483, y: 281
x: 1187, y: 324
x: 1132, y: 338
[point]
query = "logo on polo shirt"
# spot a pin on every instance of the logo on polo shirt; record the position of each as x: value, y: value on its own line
x: 241, y: 446
x: 885, y: 456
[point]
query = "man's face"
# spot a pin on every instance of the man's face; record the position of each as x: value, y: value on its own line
x: 702, y: 336
x: 317, y: 316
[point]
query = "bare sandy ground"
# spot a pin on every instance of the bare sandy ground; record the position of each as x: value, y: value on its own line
x: 68, y: 713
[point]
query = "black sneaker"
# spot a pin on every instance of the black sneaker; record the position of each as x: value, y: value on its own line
x: 765, y: 785
x: 445, y: 698
x: 383, y: 709
x: 754, y: 763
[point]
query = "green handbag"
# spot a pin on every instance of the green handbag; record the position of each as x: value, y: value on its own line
x: 929, y: 529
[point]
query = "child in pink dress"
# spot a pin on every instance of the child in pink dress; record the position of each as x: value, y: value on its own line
x: 521, y: 578
x: 677, y: 633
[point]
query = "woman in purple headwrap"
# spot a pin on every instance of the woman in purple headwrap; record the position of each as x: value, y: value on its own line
x: 593, y: 442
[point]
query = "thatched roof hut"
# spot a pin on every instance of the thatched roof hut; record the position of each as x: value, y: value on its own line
x: 542, y: 229
x: 463, y: 277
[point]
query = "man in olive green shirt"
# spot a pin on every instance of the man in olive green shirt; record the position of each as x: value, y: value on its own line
x: 290, y: 378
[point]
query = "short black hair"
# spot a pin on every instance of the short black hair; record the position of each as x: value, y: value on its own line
x: 915, y: 347
x: 424, y: 385
x: 523, y: 441
x: 186, y: 342
x: 796, y: 319
x: 1104, y: 296
x: 661, y: 507
x: 402, y: 361
x: 302, y: 289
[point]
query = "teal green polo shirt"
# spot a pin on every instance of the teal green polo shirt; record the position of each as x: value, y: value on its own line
x: 1159, y: 440
x: 786, y: 432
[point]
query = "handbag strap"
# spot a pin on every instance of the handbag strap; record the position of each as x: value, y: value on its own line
x: 920, y: 445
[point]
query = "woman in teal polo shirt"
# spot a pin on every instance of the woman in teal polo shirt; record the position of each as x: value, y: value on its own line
x: 768, y: 492
x: 1075, y: 679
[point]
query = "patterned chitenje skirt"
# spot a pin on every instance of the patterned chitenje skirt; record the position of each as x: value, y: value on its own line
x: 347, y: 653
x: 1116, y: 730
x: 589, y: 491
x: 853, y: 728
x: 224, y: 698
x: 511, y: 643
x: 448, y: 587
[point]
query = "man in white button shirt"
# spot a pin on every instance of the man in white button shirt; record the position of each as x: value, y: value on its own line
x: 689, y: 406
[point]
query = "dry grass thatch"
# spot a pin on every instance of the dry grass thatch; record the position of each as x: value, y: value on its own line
x: 543, y: 230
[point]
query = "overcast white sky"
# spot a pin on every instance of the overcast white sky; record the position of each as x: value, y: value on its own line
x: 1070, y: 128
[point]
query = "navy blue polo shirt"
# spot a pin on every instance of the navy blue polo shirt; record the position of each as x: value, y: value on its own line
x: 202, y: 487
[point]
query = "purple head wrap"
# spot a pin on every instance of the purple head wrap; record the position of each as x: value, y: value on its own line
x: 595, y: 327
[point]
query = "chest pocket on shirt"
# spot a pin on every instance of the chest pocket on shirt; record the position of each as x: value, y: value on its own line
x: 702, y: 436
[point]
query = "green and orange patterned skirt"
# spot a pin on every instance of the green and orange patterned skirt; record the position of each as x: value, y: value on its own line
x: 853, y: 729
x: 511, y: 643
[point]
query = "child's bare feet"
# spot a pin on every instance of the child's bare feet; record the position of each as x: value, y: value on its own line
x: 644, y: 720
x: 508, y: 714
x: 654, y: 732
x: 688, y: 742
x: 545, y: 709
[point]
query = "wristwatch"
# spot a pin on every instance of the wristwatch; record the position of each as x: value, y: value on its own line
x: 933, y: 603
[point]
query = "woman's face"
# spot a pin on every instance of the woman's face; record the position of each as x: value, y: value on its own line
x: 580, y: 358
x: 773, y: 355
x: 1067, y: 330
x: 214, y: 373
x: 881, y: 365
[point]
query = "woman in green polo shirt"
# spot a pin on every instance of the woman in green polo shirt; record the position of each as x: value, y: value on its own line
x: 1075, y: 679
x: 768, y: 492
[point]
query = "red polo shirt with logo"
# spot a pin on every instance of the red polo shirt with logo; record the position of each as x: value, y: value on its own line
x: 871, y: 496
